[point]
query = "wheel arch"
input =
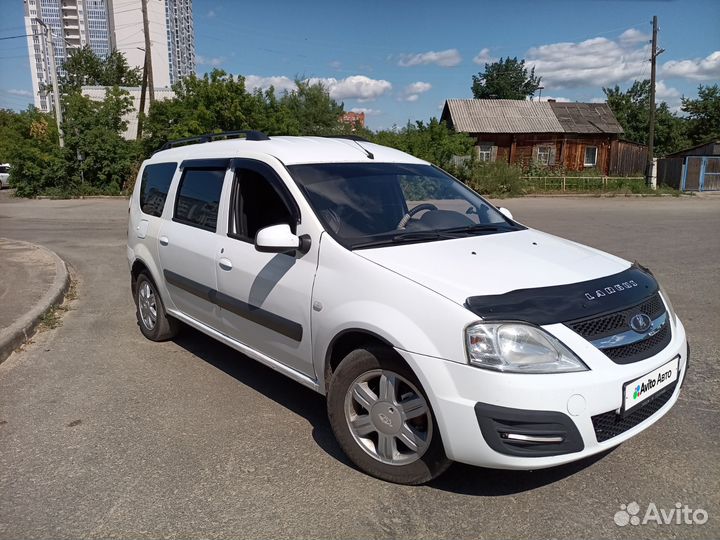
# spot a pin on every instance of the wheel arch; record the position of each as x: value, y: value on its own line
x: 346, y: 341
x: 138, y: 266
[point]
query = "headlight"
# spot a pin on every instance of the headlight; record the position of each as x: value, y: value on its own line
x: 518, y: 348
x: 668, y: 303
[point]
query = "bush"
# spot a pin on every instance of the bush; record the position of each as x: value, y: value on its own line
x: 496, y: 179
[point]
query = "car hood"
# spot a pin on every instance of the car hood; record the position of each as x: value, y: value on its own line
x: 496, y: 263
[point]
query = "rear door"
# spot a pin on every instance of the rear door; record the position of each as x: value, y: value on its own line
x: 188, y: 242
x: 266, y: 297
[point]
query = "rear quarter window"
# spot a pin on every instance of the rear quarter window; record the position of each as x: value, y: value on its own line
x: 154, y: 187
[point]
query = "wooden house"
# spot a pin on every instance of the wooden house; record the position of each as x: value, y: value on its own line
x: 576, y: 136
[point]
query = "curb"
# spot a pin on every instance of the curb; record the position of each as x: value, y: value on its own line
x: 24, y: 327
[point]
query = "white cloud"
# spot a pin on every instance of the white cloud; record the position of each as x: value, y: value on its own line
x: 413, y: 90
x: 483, y: 57
x: 665, y: 93
x: 357, y: 87
x: 210, y: 14
x: 205, y: 61
x: 280, y: 83
x: 368, y: 112
x: 631, y: 36
x: 697, y: 69
x: 446, y: 58
x: 336, y: 65
x: 559, y: 99
x: 593, y: 62
x: 21, y: 93
x: 418, y: 87
x: 605, y: 62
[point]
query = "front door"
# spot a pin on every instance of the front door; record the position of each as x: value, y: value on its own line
x: 265, y: 298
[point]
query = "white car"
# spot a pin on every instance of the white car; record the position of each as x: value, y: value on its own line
x: 4, y: 175
x: 438, y: 327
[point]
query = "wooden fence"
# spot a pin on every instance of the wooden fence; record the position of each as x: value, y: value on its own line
x: 627, y: 158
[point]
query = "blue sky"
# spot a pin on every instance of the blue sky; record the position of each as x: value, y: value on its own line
x: 398, y: 60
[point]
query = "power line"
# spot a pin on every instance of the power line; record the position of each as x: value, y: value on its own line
x: 16, y: 37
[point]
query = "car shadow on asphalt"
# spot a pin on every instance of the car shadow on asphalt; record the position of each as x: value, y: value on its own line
x: 468, y: 480
x: 460, y: 478
x: 293, y: 396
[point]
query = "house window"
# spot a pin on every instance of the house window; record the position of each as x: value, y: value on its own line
x: 544, y: 154
x: 484, y: 152
x: 590, y: 156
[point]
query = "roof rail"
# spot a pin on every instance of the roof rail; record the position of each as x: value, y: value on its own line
x: 250, y: 135
x: 356, y: 138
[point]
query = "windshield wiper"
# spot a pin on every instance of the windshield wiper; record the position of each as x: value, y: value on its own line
x: 420, y: 236
x: 478, y: 227
x: 410, y: 236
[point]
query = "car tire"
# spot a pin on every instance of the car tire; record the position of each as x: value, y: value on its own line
x: 152, y: 319
x: 383, y: 420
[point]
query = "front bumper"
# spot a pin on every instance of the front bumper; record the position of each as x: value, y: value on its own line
x: 464, y: 397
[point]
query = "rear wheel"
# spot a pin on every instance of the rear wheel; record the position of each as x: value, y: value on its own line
x: 383, y: 420
x: 154, y: 323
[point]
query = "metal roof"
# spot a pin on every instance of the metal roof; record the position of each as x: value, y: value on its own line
x: 586, y: 117
x: 501, y: 116
x: 518, y: 116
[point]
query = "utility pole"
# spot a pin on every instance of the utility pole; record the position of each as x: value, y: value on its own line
x: 53, y: 76
x: 148, y: 52
x: 654, y: 53
x: 143, y: 90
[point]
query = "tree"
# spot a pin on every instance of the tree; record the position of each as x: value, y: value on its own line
x: 29, y: 142
x: 85, y: 68
x: 632, y: 110
x: 96, y: 159
x: 100, y: 158
x: 507, y: 78
x: 703, y: 114
x: 432, y: 141
x: 312, y: 109
x: 220, y: 102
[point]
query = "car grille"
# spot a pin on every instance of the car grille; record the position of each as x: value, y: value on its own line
x: 618, y: 322
x: 610, y: 424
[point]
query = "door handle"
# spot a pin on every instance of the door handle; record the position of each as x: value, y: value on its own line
x: 164, y: 241
x: 225, y: 264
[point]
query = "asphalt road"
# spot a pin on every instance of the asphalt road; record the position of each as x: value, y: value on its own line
x: 105, y: 434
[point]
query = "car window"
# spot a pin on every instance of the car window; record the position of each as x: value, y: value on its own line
x: 198, y: 198
x: 257, y: 204
x: 359, y: 203
x: 154, y: 187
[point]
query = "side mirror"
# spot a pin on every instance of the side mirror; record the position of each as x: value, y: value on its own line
x: 505, y: 212
x: 280, y: 239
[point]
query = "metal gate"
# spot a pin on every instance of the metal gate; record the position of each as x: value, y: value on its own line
x: 701, y: 173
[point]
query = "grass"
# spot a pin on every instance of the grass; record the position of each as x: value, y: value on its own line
x: 500, y: 180
x: 52, y: 318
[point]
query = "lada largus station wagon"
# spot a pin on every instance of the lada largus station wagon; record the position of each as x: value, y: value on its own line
x: 439, y: 328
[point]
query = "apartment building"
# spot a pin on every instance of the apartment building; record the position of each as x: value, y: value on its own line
x: 105, y: 25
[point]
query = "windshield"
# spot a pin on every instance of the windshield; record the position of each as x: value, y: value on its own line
x: 374, y: 204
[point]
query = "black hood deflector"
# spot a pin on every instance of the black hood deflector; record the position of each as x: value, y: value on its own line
x: 562, y: 303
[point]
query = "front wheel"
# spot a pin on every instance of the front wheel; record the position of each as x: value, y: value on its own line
x: 382, y: 418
